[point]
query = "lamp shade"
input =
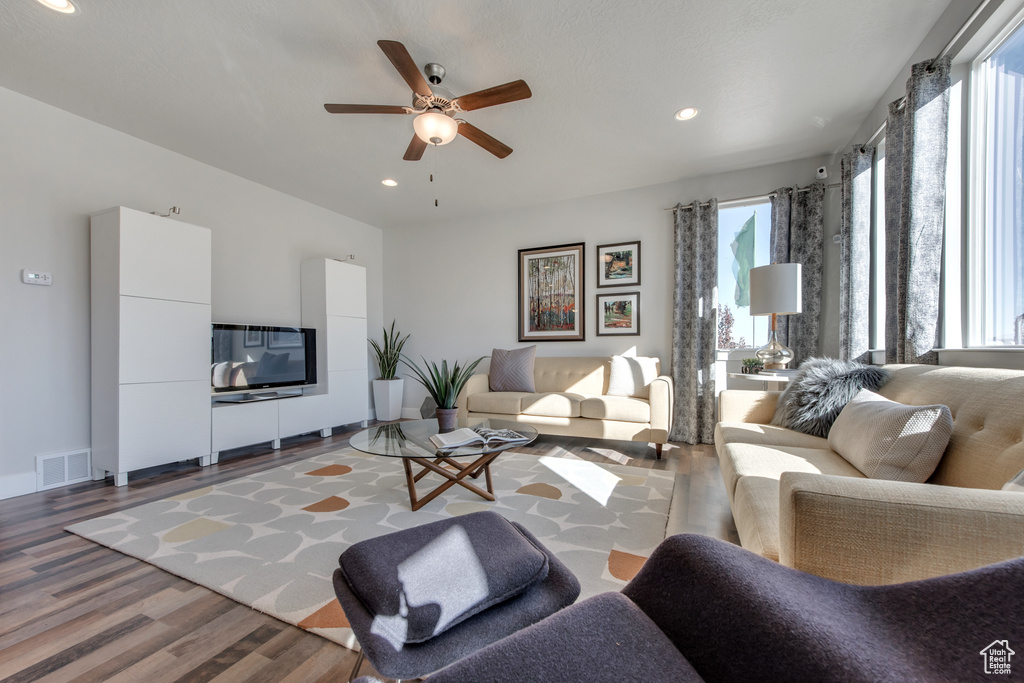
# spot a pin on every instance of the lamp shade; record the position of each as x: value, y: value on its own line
x: 775, y: 289
x: 435, y: 128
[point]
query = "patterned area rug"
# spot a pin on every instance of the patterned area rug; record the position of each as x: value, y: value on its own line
x: 272, y: 540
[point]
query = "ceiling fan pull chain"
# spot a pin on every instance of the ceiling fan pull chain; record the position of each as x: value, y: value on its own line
x: 433, y: 163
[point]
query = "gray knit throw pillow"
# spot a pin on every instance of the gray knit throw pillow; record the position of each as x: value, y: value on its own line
x: 815, y: 397
x: 512, y: 370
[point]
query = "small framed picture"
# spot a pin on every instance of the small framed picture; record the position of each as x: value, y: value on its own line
x: 284, y: 339
x: 551, y: 293
x: 252, y: 338
x: 618, y: 315
x: 618, y: 264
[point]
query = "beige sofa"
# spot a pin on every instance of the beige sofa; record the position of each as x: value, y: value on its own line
x: 797, y: 501
x: 571, y: 400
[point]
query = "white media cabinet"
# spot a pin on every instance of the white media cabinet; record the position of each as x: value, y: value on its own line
x: 244, y: 424
x: 151, y: 339
x: 150, y: 302
x: 334, y: 303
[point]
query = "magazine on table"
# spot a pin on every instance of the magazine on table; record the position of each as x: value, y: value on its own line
x: 476, y: 436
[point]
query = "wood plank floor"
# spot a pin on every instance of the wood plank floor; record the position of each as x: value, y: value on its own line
x: 71, y: 610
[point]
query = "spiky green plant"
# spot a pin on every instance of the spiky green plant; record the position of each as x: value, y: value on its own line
x: 389, y: 352
x: 442, y: 385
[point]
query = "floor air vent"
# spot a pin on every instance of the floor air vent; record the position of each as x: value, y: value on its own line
x: 61, y: 469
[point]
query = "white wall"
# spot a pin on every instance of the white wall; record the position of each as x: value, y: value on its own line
x: 56, y: 169
x: 454, y: 285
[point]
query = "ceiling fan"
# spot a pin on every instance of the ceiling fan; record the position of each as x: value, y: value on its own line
x: 435, y: 109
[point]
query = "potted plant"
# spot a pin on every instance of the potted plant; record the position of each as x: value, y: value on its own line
x: 387, y: 391
x: 444, y: 386
x: 751, y: 366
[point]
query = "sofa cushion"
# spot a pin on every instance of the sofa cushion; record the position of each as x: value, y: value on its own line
x: 410, y: 573
x: 631, y: 376
x: 756, y: 513
x: 889, y: 440
x: 553, y: 404
x: 584, y: 375
x: 765, y: 435
x: 751, y: 460
x: 616, y: 408
x: 512, y: 370
x: 813, y: 399
x: 500, y: 402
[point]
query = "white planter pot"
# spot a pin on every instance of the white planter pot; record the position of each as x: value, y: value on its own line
x: 387, y: 398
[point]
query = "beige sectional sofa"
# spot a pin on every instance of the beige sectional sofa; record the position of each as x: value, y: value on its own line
x: 571, y: 400
x: 797, y: 501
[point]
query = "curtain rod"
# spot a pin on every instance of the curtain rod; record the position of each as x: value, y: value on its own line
x: 959, y: 34
x: 737, y: 200
x: 942, y: 53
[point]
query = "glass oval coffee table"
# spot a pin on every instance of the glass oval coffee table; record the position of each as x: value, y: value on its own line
x: 410, y: 441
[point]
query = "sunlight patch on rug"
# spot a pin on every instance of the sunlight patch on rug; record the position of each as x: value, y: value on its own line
x: 271, y: 540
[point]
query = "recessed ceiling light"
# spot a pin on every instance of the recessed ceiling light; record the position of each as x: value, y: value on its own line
x: 65, y: 6
x: 390, y: 182
x: 687, y: 113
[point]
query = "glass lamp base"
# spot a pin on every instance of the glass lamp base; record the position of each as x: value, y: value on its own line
x: 774, y: 355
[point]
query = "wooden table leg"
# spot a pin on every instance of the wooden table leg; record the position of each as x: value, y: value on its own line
x: 481, y: 463
x: 410, y: 482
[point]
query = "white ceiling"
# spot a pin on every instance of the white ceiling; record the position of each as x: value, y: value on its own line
x: 240, y: 85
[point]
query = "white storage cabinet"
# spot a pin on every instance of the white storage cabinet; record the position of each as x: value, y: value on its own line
x: 150, y: 359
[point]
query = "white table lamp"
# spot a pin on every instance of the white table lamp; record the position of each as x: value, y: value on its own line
x: 775, y: 290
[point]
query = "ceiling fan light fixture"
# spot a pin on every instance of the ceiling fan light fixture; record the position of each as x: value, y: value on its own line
x: 687, y: 113
x: 63, y: 6
x: 435, y: 128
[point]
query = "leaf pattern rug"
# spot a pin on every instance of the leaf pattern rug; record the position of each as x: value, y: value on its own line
x: 271, y: 540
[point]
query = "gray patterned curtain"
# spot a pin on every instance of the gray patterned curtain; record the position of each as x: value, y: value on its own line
x: 797, y: 228
x: 915, y: 195
x: 695, y: 322
x: 855, y: 255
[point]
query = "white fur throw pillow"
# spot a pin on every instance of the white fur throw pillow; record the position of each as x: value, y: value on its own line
x: 631, y: 376
x: 812, y: 401
x: 889, y: 440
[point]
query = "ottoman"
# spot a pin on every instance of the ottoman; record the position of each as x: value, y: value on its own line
x: 422, y: 598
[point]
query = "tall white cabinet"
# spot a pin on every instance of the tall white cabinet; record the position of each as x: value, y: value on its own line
x: 150, y: 342
x: 334, y: 302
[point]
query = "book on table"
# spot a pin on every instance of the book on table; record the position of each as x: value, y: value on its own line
x: 477, y: 436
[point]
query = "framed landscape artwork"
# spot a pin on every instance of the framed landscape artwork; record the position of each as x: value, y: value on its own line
x: 551, y: 293
x: 618, y: 314
x: 618, y: 264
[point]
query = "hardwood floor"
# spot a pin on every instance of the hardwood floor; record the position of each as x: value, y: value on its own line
x: 71, y: 610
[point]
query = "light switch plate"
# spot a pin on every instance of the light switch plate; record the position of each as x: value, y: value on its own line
x: 31, y: 277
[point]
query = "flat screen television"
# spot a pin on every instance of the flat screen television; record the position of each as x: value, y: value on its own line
x: 248, y: 357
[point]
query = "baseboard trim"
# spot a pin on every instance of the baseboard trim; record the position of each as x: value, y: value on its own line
x: 19, y: 484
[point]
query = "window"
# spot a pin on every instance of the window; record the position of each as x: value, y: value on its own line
x: 997, y: 285
x: 877, y: 327
x: 744, y: 235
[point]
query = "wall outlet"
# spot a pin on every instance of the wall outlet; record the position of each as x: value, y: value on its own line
x: 30, y: 277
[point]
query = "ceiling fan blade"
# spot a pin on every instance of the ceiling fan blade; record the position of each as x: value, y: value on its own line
x: 474, y: 134
x: 415, y: 149
x: 402, y: 60
x: 365, y: 109
x: 499, y: 94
